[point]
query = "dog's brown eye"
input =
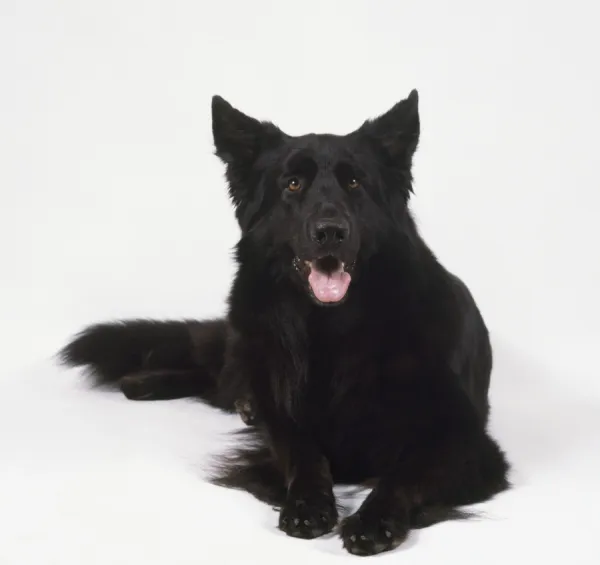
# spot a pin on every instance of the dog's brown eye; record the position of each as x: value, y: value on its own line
x: 294, y: 184
x: 353, y: 184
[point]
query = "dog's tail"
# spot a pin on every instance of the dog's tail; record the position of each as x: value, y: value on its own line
x: 151, y: 359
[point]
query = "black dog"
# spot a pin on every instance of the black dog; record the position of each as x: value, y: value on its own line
x: 355, y: 353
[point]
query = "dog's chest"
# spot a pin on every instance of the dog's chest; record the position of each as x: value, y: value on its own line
x: 356, y: 407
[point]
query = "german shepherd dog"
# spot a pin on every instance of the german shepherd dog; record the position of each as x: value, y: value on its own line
x: 356, y: 357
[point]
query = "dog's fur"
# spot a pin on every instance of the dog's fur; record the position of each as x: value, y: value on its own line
x: 385, y: 380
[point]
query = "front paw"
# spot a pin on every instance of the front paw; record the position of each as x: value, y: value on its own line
x: 370, y: 533
x: 308, y: 517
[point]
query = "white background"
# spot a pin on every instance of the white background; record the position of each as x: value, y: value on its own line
x: 112, y: 205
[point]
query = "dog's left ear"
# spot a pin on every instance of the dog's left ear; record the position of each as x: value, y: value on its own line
x: 238, y: 138
x: 397, y: 131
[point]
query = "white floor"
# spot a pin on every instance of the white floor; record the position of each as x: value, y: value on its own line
x: 88, y: 477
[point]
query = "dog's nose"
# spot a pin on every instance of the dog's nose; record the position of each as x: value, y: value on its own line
x: 330, y: 232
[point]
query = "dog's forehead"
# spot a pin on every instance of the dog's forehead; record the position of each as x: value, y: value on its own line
x: 326, y: 150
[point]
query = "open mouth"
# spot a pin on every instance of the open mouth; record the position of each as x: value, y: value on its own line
x: 328, y: 278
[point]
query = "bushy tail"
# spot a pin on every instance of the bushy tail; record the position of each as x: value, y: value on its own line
x: 183, y: 356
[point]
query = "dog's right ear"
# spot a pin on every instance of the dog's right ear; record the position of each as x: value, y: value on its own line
x: 238, y: 138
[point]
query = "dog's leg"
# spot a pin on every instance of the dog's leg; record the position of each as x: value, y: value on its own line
x: 310, y: 508
x: 456, y: 464
x: 163, y: 384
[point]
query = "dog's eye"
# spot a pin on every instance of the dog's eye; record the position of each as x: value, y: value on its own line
x: 353, y: 184
x: 294, y: 184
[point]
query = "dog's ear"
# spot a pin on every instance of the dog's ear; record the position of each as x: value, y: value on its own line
x: 397, y: 131
x: 238, y: 138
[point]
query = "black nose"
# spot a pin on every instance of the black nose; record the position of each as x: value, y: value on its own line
x: 330, y: 233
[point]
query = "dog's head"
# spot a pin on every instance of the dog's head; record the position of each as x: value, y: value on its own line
x: 320, y: 204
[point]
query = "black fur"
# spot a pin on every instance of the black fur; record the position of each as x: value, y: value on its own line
x: 386, y: 381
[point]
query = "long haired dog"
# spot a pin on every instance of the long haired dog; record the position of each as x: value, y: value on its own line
x: 353, y: 352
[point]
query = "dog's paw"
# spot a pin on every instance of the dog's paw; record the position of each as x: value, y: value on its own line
x: 308, y: 517
x: 138, y: 387
x: 244, y: 407
x: 370, y: 534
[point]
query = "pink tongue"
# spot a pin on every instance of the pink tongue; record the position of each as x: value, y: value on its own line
x: 329, y: 287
